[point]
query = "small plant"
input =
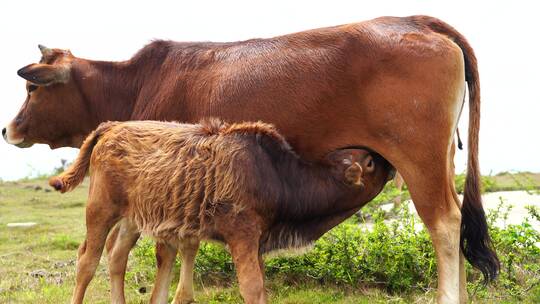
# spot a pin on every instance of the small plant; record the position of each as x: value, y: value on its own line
x: 488, y: 183
x: 519, y: 252
x: 534, y: 212
x: 64, y: 242
x: 143, y: 268
x: 63, y: 165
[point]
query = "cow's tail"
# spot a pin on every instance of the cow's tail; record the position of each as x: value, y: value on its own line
x: 74, y: 175
x: 475, y: 240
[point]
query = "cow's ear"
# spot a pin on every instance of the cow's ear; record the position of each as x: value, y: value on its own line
x: 45, y: 51
x: 44, y: 74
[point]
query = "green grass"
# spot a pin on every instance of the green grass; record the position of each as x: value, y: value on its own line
x: 387, y: 265
x: 507, y: 181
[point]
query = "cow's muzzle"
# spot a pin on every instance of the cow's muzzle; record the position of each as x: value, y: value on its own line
x: 18, y: 142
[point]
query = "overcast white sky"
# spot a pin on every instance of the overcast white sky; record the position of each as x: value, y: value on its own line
x: 505, y: 36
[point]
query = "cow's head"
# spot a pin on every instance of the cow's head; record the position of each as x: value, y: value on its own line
x: 54, y: 111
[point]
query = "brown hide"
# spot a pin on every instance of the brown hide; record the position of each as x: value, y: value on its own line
x: 170, y: 178
x: 394, y: 85
x: 240, y: 184
x: 323, y: 89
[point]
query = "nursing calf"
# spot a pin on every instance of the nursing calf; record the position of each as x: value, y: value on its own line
x: 236, y: 183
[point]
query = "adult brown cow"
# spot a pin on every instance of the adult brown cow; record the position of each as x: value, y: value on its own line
x: 395, y: 85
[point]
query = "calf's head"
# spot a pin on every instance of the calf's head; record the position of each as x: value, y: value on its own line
x: 54, y: 111
x: 360, y: 168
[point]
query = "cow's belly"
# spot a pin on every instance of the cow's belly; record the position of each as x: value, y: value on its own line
x: 386, y: 114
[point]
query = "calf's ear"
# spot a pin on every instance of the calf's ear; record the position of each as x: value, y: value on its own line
x: 354, y: 174
x: 44, y: 74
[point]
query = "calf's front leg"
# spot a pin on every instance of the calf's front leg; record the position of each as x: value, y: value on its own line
x: 246, y: 258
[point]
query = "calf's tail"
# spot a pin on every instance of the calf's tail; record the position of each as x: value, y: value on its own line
x: 74, y: 175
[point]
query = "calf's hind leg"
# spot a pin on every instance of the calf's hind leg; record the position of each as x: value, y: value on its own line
x: 187, y: 248
x: 165, y: 255
x: 119, y: 243
x: 100, y: 218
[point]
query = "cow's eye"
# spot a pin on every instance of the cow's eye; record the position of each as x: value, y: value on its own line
x: 32, y: 88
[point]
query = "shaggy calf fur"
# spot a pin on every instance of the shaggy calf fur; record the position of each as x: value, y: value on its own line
x: 240, y: 184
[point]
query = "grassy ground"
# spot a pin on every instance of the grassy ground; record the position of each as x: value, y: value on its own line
x: 37, y: 264
x: 506, y: 181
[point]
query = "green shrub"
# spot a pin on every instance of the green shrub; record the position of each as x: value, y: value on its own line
x: 214, y: 264
x: 518, y: 247
x: 397, y: 256
x: 488, y: 183
x: 142, y: 270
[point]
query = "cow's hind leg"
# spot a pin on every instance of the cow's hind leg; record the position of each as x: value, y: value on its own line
x: 119, y: 243
x: 463, y: 295
x: 435, y: 200
x: 187, y: 249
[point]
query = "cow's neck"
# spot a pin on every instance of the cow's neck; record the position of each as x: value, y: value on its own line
x: 109, y: 89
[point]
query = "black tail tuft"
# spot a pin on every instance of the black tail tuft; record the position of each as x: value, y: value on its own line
x: 475, y: 242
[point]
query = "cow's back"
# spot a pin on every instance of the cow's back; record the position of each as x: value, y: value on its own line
x: 324, y: 89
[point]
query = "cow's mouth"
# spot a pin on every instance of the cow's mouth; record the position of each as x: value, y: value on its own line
x: 24, y: 145
x: 15, y: 139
